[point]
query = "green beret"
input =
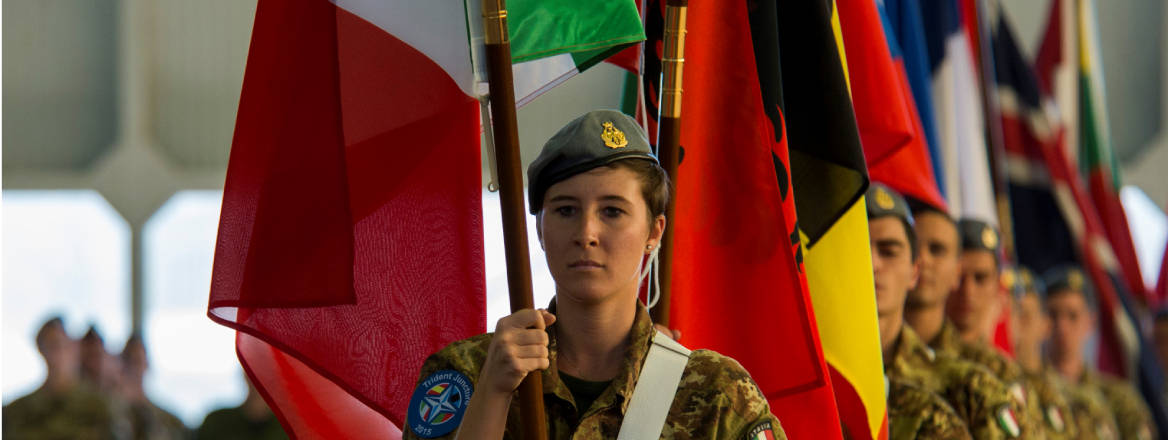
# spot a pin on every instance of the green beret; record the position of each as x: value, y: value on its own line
x: 1021, y: 281
x: 1069, y: 278
x: 883, y: 201
x: 598, y: 138
x: 977, y: 235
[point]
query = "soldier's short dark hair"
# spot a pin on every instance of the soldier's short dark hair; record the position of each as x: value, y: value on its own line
x: 134, y: 339
x: 920, y: 208
x: 53, y: 323
x: 655, y: 184
x: 92, y: 335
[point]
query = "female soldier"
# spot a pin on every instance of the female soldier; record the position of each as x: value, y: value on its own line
x: 599, y: 197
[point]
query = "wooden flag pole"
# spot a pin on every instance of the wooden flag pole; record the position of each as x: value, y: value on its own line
x: 669, y: 138
x: 506, y: 131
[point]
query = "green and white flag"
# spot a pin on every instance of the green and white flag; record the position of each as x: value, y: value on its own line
x: 553, y: 40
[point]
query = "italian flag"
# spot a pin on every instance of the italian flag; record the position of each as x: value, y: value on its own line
x: 350, y: 239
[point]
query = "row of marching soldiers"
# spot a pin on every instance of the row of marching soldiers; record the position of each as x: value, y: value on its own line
x: 938, y: 295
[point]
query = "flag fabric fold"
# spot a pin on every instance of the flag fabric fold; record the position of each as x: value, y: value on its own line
x: 735, y: 242
x: 336, y: 232
x: 553, y: 40
x: 884, y: 104
x: 1055, y: 219
x: 1097, y: 158
x: 960, y: 122
x: 829, y: 177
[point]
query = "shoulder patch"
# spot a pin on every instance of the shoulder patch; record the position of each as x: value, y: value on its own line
x: 1008, y: 422
x: 438, y: 403
x: 761, y: 431
x: 1018, y: 393
x: 1055, y: 418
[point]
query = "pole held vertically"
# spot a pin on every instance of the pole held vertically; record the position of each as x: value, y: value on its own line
x: 506, y: 132
x: 669, y: 140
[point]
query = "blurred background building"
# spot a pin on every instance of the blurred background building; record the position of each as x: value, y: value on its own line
x: 117, y: 125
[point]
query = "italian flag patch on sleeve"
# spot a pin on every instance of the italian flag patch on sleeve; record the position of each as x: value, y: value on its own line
x: 1008, y: 422
x: 761, y: 431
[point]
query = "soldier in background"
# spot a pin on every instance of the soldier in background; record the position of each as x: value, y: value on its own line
x: 940, y: 242
x: 60, y: 408
x: 973, y: 310
x: 93, y: 361
x: 918, y: 378
x: 1102, y: 405
x: 1030, y: 330
x: 251, y: 420
x: 146, y: 419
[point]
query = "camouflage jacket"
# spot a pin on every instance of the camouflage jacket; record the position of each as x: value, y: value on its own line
x: 1132, y: 415
x: 949, y: 343
x: 979, y: 397
x: 1090, y: 412
x: 74, y: 414
x: 716, y: 398
x: 1050, y: 393
x: 914, y: 413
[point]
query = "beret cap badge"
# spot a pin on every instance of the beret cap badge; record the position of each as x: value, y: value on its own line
x: 1075, y: 280
x: 989, y: 238
x: 883, y: 199
x: 613, y: 137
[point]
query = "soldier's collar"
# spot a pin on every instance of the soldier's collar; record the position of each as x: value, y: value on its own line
x: 640, y: 337
x: 946, y: 340
x: 910, y: 344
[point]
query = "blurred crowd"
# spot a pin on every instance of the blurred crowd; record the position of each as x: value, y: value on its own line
x: 90, y: 393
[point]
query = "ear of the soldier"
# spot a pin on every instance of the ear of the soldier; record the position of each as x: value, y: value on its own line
x: 656, y: 231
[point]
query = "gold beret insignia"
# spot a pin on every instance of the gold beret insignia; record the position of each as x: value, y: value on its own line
x: 613, y: 137
x: 884, y: 199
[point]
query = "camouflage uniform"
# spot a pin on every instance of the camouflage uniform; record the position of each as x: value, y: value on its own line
x: 914, y: 413
x: 1090, y: 412
x: 716, y: 398
x: 151, y: 422
x: 235, y: 424
x: 975, y: 393
x: 948, y: 342
x: 74, y: 414
x: 1049, y: 392
x: 1131, y: 413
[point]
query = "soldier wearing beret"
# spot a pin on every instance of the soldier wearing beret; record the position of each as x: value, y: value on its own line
x: 980, y: 401
x: 1030, y: 330
x: 972, y: 310
x: 599, y: 196
x: 1102, y: 405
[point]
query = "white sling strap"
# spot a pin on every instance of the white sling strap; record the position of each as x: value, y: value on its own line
x: 653, y: 394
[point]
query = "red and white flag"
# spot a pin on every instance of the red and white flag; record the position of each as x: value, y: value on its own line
x: 350, y: 243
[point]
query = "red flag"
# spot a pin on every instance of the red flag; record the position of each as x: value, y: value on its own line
x: 1162, y: 281
x: 735, y: 259
x: 890, y: 127
x: 350, y: 241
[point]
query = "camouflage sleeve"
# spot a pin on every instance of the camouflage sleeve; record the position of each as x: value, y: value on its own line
x: 717, y: 388
x: 1131, y: 412
x: 450, y: 375
x: 984, y: 402
x: 914, y: 413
